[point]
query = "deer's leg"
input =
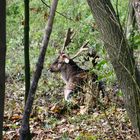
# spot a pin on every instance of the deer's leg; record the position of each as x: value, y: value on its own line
x: 70, y: 86
x: 67, y: 94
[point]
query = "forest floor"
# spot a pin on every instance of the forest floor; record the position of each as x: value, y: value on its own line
x: 50, y: 120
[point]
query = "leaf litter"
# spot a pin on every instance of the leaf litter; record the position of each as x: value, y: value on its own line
x: 53, y: 119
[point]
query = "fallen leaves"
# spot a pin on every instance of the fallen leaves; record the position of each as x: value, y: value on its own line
x: 55, y: 120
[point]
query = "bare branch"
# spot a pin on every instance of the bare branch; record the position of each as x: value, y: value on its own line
x: 84, y: 47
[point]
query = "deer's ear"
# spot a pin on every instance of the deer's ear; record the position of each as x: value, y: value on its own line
x: 66, y: 60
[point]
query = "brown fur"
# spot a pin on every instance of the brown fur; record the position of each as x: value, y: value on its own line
x: 73, y: 76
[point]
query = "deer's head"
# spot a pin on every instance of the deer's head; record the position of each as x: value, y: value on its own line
x: 61, y: 61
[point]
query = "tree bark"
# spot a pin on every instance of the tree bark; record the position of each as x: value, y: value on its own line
x: 26, y: 54
x: 2, y: 60
x: 121, y: 57
x: 25, y: 127
x: 26, y: 48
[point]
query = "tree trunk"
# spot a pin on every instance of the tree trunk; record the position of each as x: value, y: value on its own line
x: 136, y: 6
x: 24, y: 131
x: 26, y: 48
x: 121, y: 57
x: 2, y: 60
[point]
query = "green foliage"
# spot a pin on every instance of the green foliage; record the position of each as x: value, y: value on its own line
x: 134, y: 40
x: 77, y: 16
x: 122, y: 8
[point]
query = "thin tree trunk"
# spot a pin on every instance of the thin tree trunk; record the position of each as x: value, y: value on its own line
x: 26, y: 55
x: 121, y: 57
x: 28, y: 108
x: 26, y: 48
x: 2, y: 60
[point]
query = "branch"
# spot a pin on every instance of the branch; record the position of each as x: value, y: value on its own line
x: 28, y: 108
x: 57, y: 11
x: 103, y: 108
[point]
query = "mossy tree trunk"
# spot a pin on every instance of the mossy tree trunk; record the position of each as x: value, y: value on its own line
x: 121, y: 57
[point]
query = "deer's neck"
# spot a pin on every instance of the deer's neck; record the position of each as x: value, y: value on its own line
x: 69, y: 70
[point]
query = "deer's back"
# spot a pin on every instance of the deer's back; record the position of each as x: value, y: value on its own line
x: 78, y: 80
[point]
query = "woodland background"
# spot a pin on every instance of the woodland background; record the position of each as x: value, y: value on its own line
x: 47, y: 121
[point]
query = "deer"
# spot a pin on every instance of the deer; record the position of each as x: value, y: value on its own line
x: 73, y: 76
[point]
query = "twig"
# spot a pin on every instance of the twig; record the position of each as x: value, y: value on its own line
x: 104, y: 111
x: 108, y: 121
x: 57, y: 11
x: 130, y: 75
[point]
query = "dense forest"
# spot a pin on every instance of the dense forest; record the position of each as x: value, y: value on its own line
x: 70, y: 70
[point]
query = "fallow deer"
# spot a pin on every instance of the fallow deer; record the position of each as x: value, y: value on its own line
x: 73, y: 76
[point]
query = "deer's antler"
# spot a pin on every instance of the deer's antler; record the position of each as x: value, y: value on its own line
x: 83, y: 48
x: 69, y: 36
